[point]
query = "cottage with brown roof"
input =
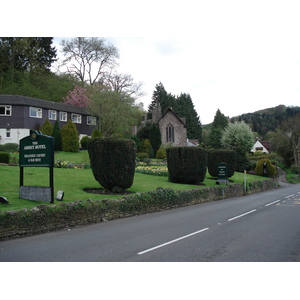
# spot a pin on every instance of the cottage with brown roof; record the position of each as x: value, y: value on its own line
x: 261, y: 146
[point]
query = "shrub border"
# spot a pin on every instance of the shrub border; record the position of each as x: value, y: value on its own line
x: 45, y: 218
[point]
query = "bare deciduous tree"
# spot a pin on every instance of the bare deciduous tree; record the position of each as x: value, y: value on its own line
x: 89, y: 58
x: 124, y: 83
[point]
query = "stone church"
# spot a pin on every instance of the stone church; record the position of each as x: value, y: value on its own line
x: 172, y: 128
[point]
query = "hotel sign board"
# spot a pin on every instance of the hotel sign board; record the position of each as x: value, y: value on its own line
x: 36, y: 150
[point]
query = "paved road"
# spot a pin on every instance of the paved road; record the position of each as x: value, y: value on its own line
x: 260, y: 227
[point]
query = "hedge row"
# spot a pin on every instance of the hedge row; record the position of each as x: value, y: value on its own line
x: 45, y: 218
x: 113, y: 162
x: 218, y: 156
x: 186, y: 164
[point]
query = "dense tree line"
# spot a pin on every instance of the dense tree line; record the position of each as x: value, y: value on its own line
x: 25, y: 64
x: 182, y: 105
x: 267, y: 120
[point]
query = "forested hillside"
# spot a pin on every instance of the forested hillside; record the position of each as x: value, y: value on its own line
x: 25, y: 69
x: 268, y: 119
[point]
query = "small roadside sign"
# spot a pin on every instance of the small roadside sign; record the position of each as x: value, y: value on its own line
x: 222, y: 173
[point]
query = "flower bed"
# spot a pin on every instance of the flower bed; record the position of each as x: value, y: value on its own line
x: 152, y: 170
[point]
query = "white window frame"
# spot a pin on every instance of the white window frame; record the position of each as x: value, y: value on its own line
x: 76, y: 118
x: 52, y: 114
x: 7, y: 110
x: 8, y: 133
x: 63, y: 116
x: 35, y: 112
x: 91, y: 120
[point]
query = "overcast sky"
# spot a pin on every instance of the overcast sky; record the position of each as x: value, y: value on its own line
x: 238, y: 56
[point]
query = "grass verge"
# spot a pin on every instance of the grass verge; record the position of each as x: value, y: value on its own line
x: 73, y: 181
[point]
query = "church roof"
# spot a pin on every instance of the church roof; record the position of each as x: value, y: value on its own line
x: 182, y: 120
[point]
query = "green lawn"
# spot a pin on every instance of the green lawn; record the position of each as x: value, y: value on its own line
x: 73, y: 181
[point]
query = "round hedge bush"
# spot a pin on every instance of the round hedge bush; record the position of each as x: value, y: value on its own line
x: 186, y: 164
x: 161, y: 153
x: 270, y: 169
x: 113, y: 162
x: 217, y: 156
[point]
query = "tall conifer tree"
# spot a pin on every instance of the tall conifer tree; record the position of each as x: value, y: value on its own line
x: 219, y: 124
x: 182, y: 105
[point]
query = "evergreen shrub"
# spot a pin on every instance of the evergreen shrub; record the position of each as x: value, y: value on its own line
x: 96, y: 133
x: 147, y: 146
x: 271, y: 169
x: 57, y: 137
x: 217, y: 156
x: 161, y: 153
x: 9, y: 147
x: 186, y: 164
x: 113, y: 162
x: 70, y: 137
x: 4, y: 157
x: 142, y: 156
x: 46, y: 128
x: 84, y: 142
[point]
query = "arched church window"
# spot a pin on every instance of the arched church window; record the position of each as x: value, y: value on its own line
x: 170, y: 133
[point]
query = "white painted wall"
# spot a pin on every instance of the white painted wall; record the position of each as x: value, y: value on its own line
x: 15, y: 135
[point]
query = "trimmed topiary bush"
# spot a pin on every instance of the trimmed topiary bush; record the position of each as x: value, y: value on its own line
x: 4, y: 157
x: 217, y: 156
x: 186, y: 164
x: 270, y: 169
x: 113, y: 162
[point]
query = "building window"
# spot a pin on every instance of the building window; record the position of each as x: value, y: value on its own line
x: 91, y: 120
x: 63, y: 116
x: 35, y: 112
x: 76, y: 118
x: 52, y: 115
x: 8, y: 133
x: 170, y: 133
x: 5, y: 110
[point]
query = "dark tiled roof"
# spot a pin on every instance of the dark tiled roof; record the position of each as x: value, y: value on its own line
x: 267, y: 145
x: 27, y: 101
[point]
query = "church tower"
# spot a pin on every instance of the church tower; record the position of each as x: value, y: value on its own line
x: 156, y: 112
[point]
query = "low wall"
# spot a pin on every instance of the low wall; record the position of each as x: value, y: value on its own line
x: 46, y: 218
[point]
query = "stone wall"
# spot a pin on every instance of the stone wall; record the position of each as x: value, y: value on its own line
x: 46, y: 218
